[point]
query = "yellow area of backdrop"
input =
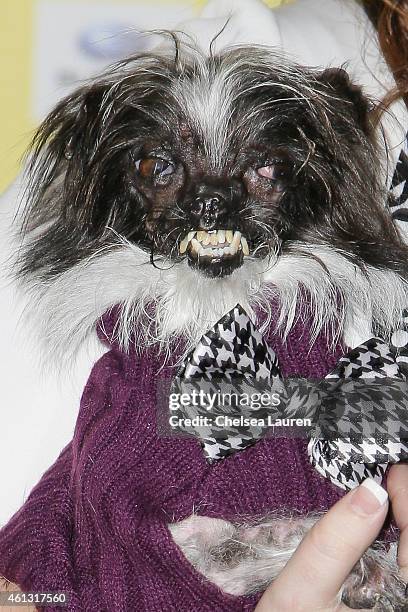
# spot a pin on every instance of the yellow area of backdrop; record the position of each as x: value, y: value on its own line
x: 15, y: 82
x: 16, y: 74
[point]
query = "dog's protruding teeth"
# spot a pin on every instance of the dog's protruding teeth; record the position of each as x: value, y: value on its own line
x: 195, y: 245
x: 245, y: 247
x: 221, y: 236
x: 214, y: 243
x: 206, y: 239
x: 183, y: 245
x: 236, y: 242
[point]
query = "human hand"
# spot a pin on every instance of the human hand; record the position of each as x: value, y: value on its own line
x: 312, y: 578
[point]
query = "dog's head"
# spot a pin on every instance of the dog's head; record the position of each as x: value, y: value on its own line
x: 216, y: 159
x: 213, y: 161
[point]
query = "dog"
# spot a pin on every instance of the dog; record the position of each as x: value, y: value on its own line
x: 181, y: 183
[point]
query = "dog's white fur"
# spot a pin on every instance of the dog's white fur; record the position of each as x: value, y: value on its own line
x: 208, y: 99
x: 159, y: 304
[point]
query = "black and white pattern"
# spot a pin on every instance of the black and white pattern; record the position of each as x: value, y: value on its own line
x: 233, y: 355
x: 399, y: 188
x: 233, y: 347
x: 372, y: 359
x: 347, y: 463
x: 399, y: 344
x: 230, y: 358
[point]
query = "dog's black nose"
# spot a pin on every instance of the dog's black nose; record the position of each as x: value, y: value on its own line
x: 210, y: 206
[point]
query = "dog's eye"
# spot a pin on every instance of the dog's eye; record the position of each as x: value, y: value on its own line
x: 273, y: 172
x: 154, y: 167
x: 277, y: 173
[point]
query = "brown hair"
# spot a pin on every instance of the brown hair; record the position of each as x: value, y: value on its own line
x: 390, y: 17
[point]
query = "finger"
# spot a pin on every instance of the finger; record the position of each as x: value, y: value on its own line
x: 397, y: 485
x: 314, y: 575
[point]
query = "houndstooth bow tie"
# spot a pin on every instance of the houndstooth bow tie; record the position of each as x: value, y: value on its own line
x: 233, y: 358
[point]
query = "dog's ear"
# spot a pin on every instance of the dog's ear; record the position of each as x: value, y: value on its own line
x: 338, y: 81
x: 64, y: 146
x: 82, y: 152
x: 76, y: 123
x: 71, y: 127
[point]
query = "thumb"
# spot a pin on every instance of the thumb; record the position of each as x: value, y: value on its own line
x: 314, y: 575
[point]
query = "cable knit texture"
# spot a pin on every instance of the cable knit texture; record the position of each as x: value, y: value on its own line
x: 96, y: 524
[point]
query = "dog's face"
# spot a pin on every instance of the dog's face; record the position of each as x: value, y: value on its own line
x: 218, y: 160
x: 210, y: 211
x: 214, y: 212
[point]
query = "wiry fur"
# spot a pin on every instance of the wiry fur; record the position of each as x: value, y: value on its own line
x: 93, y: 231
x: 158, y: 304
x: 245, y: 557
x: 83, y: 181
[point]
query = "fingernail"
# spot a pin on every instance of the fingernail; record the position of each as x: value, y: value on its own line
x: 368, y: 498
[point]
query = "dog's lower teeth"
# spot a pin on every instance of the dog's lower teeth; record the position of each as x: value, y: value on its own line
x: 195, y: 245
x: 214, y: 243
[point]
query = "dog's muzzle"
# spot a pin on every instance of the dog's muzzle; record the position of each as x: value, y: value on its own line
x: 216, y: 253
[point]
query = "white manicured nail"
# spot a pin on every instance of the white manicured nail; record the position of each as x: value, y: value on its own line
x: 369, y: 497
x: 376, y: 489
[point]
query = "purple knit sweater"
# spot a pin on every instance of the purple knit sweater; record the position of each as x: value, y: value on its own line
x: 96, y: 524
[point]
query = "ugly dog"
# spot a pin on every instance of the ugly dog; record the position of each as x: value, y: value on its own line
x: 178, y: 185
